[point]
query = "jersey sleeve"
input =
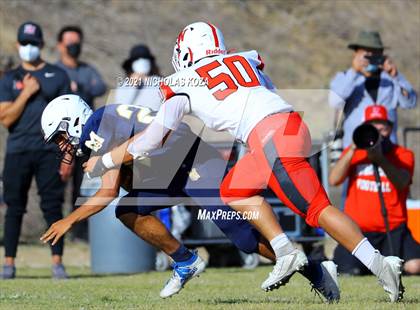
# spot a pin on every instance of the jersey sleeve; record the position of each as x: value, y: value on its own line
x: 172, y: 111
x: 166, y: 92
x: 169, y: 86
x: 254, y: 58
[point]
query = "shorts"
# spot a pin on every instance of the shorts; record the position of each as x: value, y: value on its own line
x: 402, y: 241
x: 278, y: 148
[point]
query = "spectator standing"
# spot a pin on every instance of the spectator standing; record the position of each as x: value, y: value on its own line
x: 396, y: 167
x: 85, y: 82
x: 141, y: 83
x: 24, y: 93
x: 368, y: 82
x: 85, y: 79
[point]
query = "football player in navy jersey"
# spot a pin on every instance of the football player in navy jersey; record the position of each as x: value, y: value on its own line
x: 184, y: 167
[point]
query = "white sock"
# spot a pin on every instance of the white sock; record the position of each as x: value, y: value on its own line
x: 281, y: 245
x: 365, y: 252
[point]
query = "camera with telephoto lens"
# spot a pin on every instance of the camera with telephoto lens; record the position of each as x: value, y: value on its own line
x: 376, y: 60
x: 366, y: 136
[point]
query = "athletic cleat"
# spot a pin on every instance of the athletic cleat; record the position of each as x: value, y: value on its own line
x: 389, y: 271
x: 9, y: 272
x: 328, y: 285
x: 284, y: 269
x: 183, y: 272
x: 59, y: 272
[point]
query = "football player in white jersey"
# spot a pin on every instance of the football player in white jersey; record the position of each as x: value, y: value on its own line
x: 230, y: 92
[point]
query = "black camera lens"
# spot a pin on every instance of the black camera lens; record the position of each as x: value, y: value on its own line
x: 365, y: 136
x: 376, y: 60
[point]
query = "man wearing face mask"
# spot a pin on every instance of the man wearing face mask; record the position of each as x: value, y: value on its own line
x: 372, y: 79
x: 85, y: 79
x: 396, y: 167
x: 85, y: 82
x: 24, y: 93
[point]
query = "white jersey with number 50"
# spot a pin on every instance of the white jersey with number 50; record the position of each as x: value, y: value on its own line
x: 227, y: 92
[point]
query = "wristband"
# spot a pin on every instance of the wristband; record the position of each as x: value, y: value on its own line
x: 98, y: 170
x: 107, y: 161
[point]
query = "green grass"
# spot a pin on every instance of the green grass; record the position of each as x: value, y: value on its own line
x: 231, y: 288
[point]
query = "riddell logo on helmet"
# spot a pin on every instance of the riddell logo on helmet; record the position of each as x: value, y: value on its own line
x: 215, y: 51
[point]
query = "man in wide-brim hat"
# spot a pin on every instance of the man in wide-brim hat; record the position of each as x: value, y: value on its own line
x: 372, y: 79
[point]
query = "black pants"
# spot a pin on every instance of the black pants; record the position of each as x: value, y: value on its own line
x: 19, y: 168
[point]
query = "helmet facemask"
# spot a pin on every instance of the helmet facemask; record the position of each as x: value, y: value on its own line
x: 62, y: 122
x: 68, y: 145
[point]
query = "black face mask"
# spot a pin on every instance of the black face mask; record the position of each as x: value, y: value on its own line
x: 74, y: 49
x: 387, y: 144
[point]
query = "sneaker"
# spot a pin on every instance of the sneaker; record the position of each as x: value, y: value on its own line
x: 284, y: 269
x: 388, y: 270
x: 59, y: 272
x: 9, y: 272
x: 183, y: 272
x: 327, y: 286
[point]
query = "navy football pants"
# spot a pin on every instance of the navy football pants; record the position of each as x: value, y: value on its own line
x: 239, y: 231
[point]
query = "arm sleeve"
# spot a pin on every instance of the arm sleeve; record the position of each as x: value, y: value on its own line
x: 342, y: 86
x: 168, y: 118
x: 97, y: 86
x: 401, y: 84
x: 5, y: 90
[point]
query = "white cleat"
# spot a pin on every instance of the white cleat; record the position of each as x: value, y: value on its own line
x: 328, y: 285
x: 284, y: 269
x: 183, y: 272
x: 389, y: 275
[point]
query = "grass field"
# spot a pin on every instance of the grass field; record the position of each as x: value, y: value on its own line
x: 228, y: 288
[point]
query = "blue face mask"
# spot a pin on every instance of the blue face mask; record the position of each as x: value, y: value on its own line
x: 29, y: 52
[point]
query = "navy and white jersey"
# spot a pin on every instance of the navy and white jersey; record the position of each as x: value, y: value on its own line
x: 114, y: 124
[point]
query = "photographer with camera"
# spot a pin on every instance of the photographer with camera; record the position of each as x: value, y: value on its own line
x: 372, y: 79
x: 380, y: 211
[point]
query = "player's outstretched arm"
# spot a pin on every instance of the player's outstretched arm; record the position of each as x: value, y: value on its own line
x: 168, y: 118
x: 108, y: 192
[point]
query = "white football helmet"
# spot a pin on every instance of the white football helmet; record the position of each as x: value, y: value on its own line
x: 65, y: 114
x: 196, y: 41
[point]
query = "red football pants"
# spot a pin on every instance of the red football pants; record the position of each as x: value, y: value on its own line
x: 278, y: 148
